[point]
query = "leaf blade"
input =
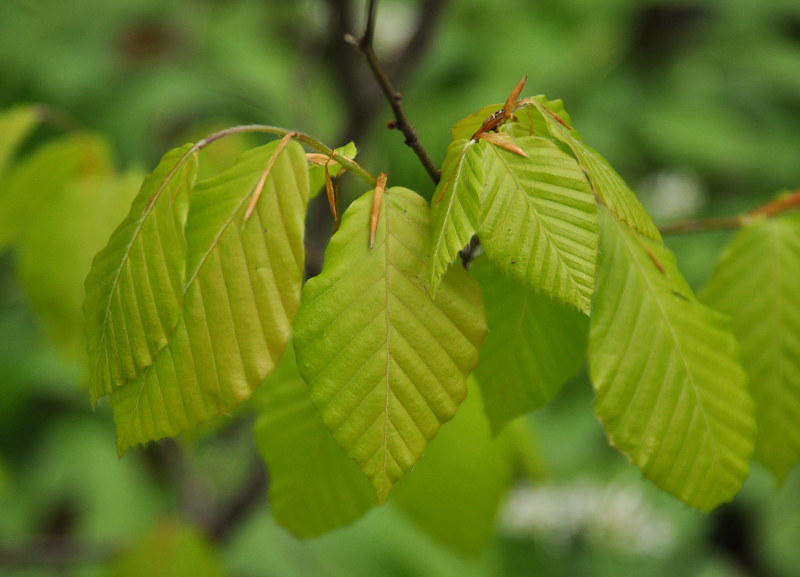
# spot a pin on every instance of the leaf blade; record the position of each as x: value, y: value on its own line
x: 539, y: 223
x: 455, y: 208
x: 533, y: 346
x: 124, y: 334
x: 606, y: 182
x: 670, y: 391
x: 755, y: 283
x: 241, y: 296
x: 314, y: 488
x: 464, y: 464
x: 386, y: 363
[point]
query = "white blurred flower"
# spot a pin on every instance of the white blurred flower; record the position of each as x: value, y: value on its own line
x: 673, y: 195
x: 616, y: 516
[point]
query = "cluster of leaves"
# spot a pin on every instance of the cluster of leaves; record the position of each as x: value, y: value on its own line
x: 192, y: 303
x: 194, y: 299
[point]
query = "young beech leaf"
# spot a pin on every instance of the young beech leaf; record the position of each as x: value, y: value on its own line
x: 671, y: 393
x: 536, y: 126
x: 456, y: 205
x: 134, y: 289
x: 241, y: 294
x: 539, y: 221
x: 314, y: 487
x: 606, y: 183
x: 755, y: 282
x: 386, y: 363
x: 534, y: 344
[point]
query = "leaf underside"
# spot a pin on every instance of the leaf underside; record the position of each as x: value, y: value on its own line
x: 314, y: 487
x: 670, y: 391
x: 533, y: 345
x: 134, y: 289
x: 755, y: 282
x: 539, y: 222
x: 387, y: 364
x: 240, y: 297
x: 455, y: 217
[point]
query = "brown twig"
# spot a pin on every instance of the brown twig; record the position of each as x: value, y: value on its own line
x: 365, y: 46
x: 773, y: 208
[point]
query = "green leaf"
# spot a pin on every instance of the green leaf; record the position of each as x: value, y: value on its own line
x: 134, y: 289
x: 55, y: 253
x: 539, y: 223
x: 32, y: 183
x: 607, y: 184
x: 241, y: 295
x: 755, y: 282
x: 387, y: 364
x: 455, y: 490
x: 314, y: 487
x: 671, y: 393
x: 456, y: 205
x: 15, y: 125
x: 533, y: 346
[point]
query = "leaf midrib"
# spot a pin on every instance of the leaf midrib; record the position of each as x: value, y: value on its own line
x: 387, y: 315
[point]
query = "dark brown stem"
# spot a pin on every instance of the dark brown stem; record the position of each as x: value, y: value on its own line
x: 773, y: 208
x: 365, y: 46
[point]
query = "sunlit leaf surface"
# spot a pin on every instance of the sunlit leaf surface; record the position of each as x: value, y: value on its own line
x: 671, y: 393
x: 455, y: 207
x: 387, y: 364
x: 539, y: 223
x: 134, y: 290
x: 241, y: 294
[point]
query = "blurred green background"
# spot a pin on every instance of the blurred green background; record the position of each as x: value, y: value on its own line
x: 696, y: 104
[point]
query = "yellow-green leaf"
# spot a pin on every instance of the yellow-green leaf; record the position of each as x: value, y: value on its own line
x: 240, y: 296
x: 539, y: 222
x: 386, y: 363
x: 756, y: 283
x: 671, y: 393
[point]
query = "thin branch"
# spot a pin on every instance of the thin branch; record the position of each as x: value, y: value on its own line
x: 773, y: 208
x: 365, y: 46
